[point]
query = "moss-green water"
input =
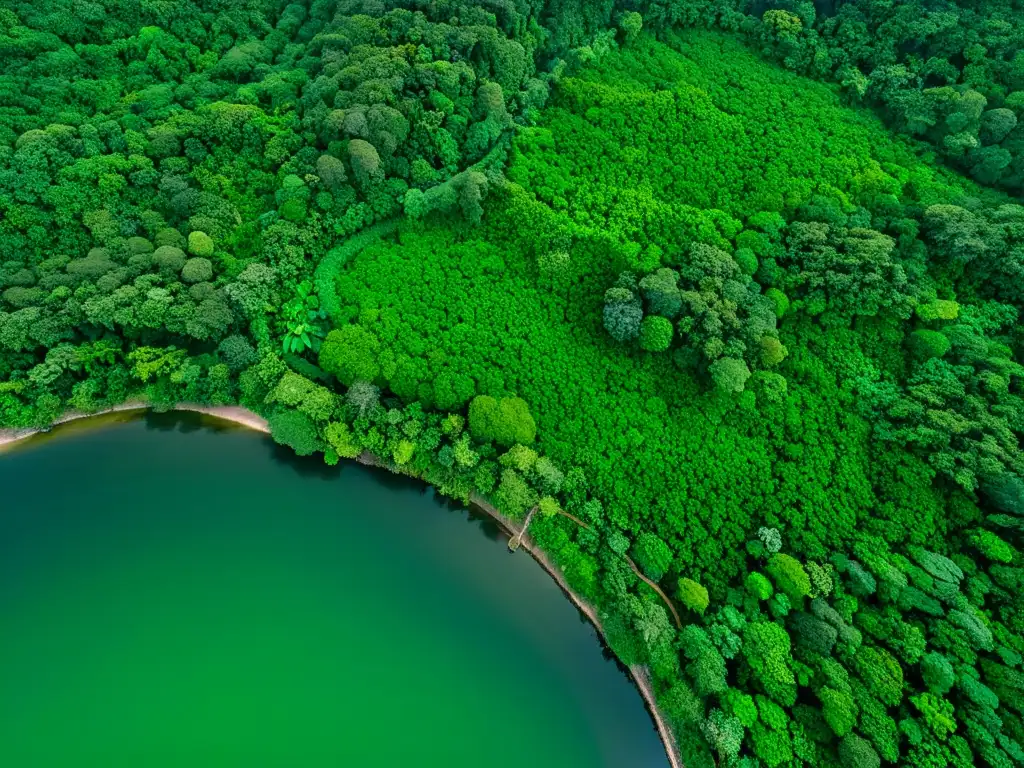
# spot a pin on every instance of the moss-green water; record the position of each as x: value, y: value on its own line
x: 177, y: 596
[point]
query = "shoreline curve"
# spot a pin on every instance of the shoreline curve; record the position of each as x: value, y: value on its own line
x: 251, y: 420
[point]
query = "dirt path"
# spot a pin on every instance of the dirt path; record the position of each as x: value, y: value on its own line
x: 653, y: 585
x: 644, y: 579
x: 515, y: 541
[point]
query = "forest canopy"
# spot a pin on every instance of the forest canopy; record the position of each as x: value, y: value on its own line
x: 728, y: 293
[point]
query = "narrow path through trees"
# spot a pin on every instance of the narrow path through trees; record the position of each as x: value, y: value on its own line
x: 515, y: 541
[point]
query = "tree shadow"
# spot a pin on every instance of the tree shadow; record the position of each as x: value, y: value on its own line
x: 186, y: 422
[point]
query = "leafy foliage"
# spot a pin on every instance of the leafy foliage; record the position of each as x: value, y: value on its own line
x: 764, y: 351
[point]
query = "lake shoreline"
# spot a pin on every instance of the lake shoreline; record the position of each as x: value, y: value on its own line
x: 248, y: 419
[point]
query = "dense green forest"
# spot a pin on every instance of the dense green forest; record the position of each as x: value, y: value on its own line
x: 728, y: 291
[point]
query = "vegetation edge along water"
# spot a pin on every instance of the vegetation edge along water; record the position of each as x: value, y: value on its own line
x: 746, y: 335
x: 243, y: 417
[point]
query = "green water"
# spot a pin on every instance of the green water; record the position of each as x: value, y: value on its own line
x: 176, y: 595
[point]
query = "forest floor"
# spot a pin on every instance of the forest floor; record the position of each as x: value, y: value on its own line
x: 246, y: 418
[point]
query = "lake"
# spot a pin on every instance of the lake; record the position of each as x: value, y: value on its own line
x: 173, y: 594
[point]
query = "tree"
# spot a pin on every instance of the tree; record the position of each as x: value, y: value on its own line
x: 937, y: 713
x: 331, y: 172
x: 856, y: 752
x: 200, y: 244
x: 938, y: 566
x: 838, y: 709
x: 790, y: 577
x: 926, y: 344
x: 294, y: 430
x: 766, y: 647
x: 707, y: 667
x: 876, y: 724
x: 349, y: 353
x: 693, y: 595
x: 631, y: 23
x: 514, y: 496
x: 680, y: 705
x: 730, y: 374
x: 652, y: 555
x: 770, y: 538
x: 366, y: 164
x: 655, y: 334
x: 758, y: 586
x: 197, y: 270
x: 505, y: 420
x: 724, y: 733
x: 996, y: 125
x: 660, y: 290
x: 169, y: 259
x: 237, y: 352
x: 881, y: 673
x: 363, y: 397
x: 622, y: 314
x: 938, y: 673
x: 340, y: 438
x: 813, y: 633
x: 956, y: 233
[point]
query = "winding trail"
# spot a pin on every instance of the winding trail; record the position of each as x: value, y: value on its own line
x: 246, y: 418
x: 653, y: 585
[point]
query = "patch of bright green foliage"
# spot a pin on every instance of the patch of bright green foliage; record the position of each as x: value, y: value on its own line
x: 753, y: 346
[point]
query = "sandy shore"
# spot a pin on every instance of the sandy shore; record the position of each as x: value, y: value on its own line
x: 231, y: 413
x: 247, y: 418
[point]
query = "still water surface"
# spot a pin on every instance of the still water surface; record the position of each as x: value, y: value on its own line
x: 177, y: 595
